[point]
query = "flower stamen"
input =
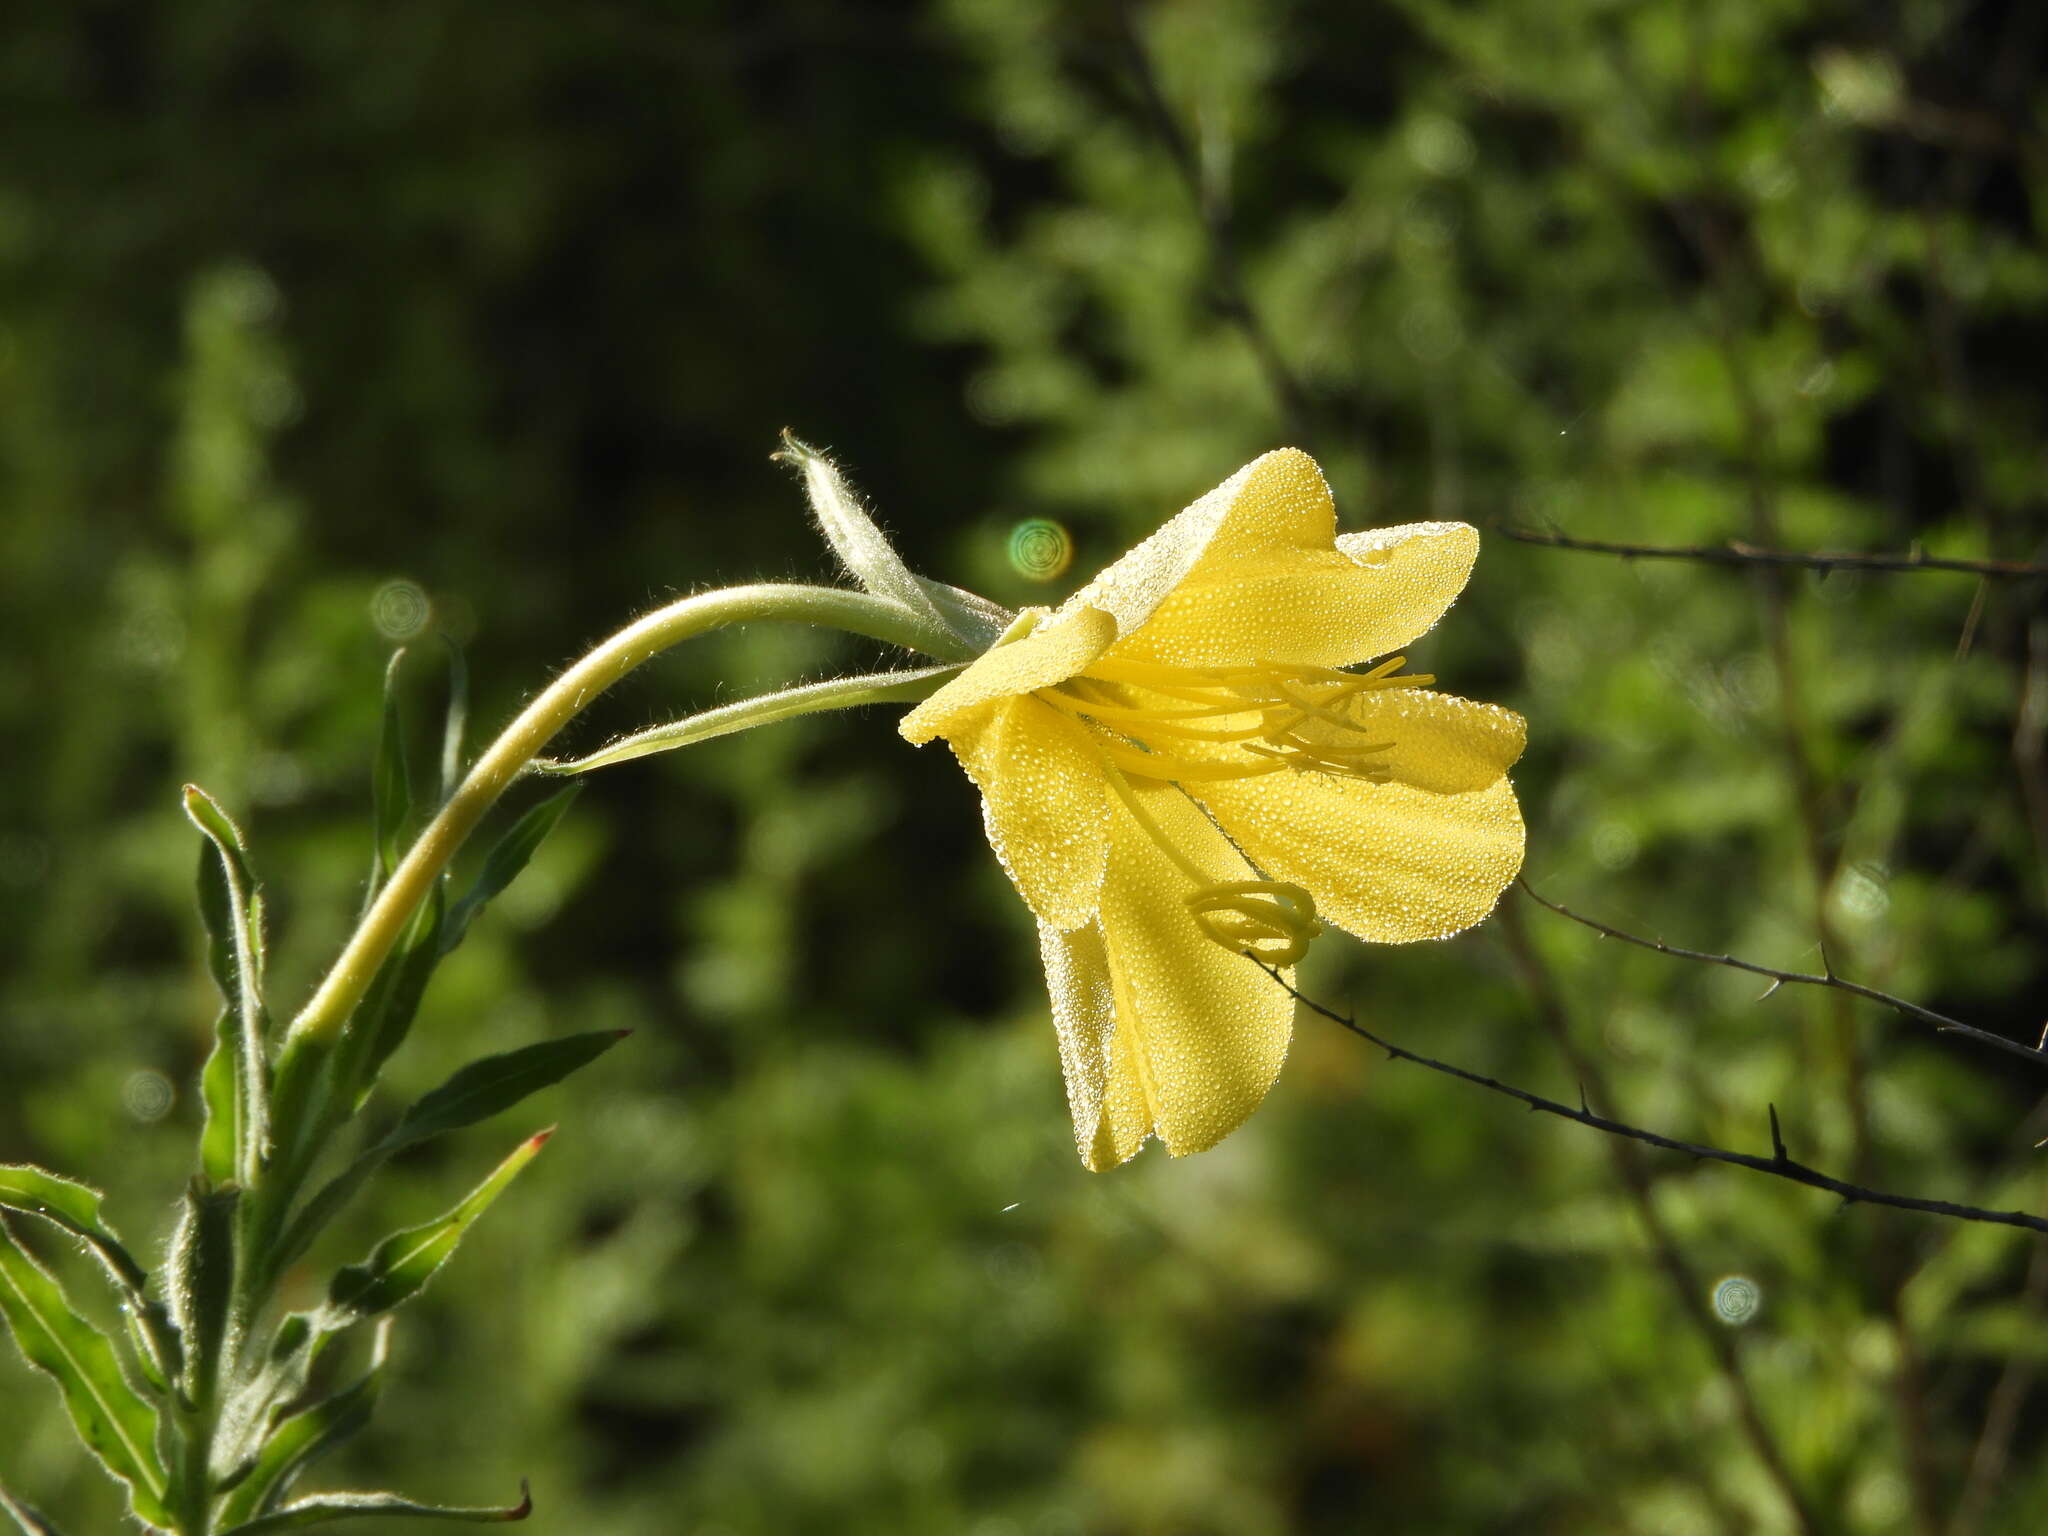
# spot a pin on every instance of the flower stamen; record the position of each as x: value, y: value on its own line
x: 1165, y: 743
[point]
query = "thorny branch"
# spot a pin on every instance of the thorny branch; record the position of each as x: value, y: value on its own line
x: 1736, y: 552
x: 1942, y: 1023
x: 1780, y: 1164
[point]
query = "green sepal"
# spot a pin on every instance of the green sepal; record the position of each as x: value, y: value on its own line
x: 33, y: 1522
x: 231, y: 903
x: 325, y: 1508
x: 861, y: 546
x: 810, y: 698
x: 474, y: 1093
x: 200, y: 1278
x: 76, y: 1208
x: 400, y: 1266
x: 115, y: 1422
x: 502, y: 865
x: 976, y: 620
x: 390, y: 782
x: 298, y: 1439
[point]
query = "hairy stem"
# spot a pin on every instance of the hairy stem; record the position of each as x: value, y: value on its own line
x: 559, y: 703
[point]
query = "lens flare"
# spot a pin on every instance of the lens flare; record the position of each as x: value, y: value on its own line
x: 1736, y: 1299
x: 1040, y: 549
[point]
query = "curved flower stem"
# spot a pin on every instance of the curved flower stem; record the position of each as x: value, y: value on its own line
x: 515, y: 749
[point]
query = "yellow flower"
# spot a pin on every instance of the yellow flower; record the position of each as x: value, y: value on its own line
x: 1173, y: 773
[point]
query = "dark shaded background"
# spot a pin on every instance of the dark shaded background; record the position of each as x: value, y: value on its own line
x: 327, y: 326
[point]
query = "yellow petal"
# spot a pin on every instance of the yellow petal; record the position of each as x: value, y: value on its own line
x: 1441, y: 742
x: 1331, y: 605
x: 1052, y: 653
x: 1139, y: 581
x: 1104, y: 1092
x: 1044, y: 803
x: 1162, y: 1030
x: 1388, y: 862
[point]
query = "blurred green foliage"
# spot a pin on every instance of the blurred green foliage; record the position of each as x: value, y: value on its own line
x: 326, y: 328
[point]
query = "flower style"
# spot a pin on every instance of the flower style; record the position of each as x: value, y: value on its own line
x: 1175, y: 774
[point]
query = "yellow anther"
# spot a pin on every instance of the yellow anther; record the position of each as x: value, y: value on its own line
x: 1270, y: 920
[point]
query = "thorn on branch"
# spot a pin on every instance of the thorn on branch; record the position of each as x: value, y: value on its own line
x: 1777, y: 1138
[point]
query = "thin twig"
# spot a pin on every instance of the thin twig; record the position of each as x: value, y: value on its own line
x: 1942, y: 1023
x: 1779, y: 1165
x: 1631, y: 1166
x: 1737, y: 552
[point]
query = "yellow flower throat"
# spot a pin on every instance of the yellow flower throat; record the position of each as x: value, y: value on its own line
x: 1179, y: 725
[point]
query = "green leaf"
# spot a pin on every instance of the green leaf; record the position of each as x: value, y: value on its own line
x: 232, y: 905
x: 495, y: 1083
x: 457, y: 720
x: 220, y: 1091
x: 861, y: 546
x: 325, y: 1508
x: 508, y: 856
x: 808, y: 699
x: 116, y: 1423
x: 474, y: 1093
x: 403, y: 1263
x: 385, y: 1018
x: 390, y: 783
x: 76, y: 1208
x: 302, y: 1437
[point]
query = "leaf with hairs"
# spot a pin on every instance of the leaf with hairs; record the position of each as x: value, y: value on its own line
x: 474, y: 1093
x: 231, y: 903
x: 907, y: 687
x: 116, y: 1423
x: 325, y: 1508
x: 300, y: 1438
x: 400, y: 1266
x: 76, y: 1208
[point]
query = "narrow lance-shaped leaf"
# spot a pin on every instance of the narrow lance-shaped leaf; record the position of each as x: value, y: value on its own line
x: 456, y: 722
x: 117, y: 1424
x: 905, y: 687
x: 232, y: 906
x: 502, y: 865
x: 474, y: 1093
x: 390, y: 783
x: 326, y: 1508
x: 76, y: 1208
x: 299, y: 1439
x: 385, y: 1018
x: 403, y: 1263
x: 861, y: 546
